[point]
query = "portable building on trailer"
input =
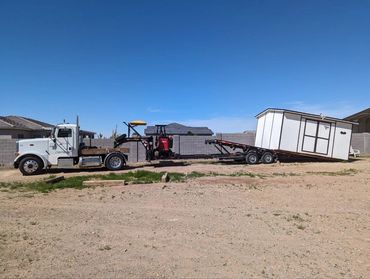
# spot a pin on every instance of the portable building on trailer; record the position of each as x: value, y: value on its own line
x: 304, y: 133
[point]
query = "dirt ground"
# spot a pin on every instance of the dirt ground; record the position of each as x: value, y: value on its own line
x: 291, y: 220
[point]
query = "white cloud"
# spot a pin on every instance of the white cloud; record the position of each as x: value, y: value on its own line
x: 153, y: 110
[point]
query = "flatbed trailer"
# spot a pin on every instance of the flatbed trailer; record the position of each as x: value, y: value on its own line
x: 252, y: 154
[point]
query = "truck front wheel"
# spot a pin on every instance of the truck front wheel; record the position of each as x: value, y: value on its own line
x: 115, y: 161
x: 30, y: 165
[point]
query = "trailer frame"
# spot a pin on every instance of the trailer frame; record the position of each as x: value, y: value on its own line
x: 251, y: 154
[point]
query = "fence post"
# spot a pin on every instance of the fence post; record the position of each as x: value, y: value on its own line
x: 179, y: 143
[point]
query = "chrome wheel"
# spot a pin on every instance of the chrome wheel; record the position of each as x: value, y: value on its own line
x: 115, y: 162
x: 30, y: 166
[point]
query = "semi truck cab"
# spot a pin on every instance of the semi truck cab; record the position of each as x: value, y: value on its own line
x: 65, y: 149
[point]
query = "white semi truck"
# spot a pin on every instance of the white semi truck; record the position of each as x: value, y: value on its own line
x: 65, y: 149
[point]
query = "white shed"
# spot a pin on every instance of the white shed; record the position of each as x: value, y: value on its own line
x: 303, y: 133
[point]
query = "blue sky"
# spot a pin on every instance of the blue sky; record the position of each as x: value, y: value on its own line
x: 214, y: 63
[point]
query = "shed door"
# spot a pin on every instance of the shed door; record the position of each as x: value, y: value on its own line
x: 342, y: 139
x: 316, y: 137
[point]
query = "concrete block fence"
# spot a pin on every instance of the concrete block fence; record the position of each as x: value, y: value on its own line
x: 184, y: 145
x: 7, y: 151
x: 361, y: 141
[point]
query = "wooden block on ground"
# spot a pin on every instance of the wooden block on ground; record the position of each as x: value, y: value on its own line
x: 94, y: 183
x: 54, y: 179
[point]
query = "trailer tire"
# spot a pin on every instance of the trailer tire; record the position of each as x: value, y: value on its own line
x: 252, y: 157
x: 267, y: 158
x: 115, y: 161
x: 30, y: 165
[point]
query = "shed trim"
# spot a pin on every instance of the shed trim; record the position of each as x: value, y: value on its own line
x: 327, y: 118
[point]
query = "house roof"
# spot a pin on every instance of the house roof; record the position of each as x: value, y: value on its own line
x: 4, y: 124
x: 311, y: 115
x: 357, y: 115
x: 178, y: 129
x: 24, y: 123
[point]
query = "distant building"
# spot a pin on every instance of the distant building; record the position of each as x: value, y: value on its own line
x: 363, y: 120
x: 19, y: 127
x: 178, y: 129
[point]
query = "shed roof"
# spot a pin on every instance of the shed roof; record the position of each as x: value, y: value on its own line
x: 310, y: 115
x: 179, y: 129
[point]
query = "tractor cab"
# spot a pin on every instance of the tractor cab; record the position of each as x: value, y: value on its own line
x: 163, y: 142
x: 157, y: 146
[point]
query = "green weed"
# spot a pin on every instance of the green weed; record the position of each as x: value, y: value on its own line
x: 284, y: 174
x: 76, y: 182
x: 335, y: 173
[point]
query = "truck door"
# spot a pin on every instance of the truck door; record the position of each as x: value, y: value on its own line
x: 62, y: 144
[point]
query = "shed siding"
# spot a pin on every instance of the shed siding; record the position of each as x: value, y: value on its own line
x: 267, y: 130
x: 276, y: 130
x: 290, y: 132
x: 259, y: 132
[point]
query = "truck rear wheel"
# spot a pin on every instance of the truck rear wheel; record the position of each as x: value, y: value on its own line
x: 267, y: 158
x: 30, y: 166
x: 115, y: 161
x: 251, y: 157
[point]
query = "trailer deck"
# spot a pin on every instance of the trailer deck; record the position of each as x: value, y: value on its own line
x: 258, y: 154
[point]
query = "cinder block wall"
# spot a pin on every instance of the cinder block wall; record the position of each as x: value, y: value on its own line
x: 361, y: 141
x: 194, y: 145
x: 245, y: 138
x: 7, y: 151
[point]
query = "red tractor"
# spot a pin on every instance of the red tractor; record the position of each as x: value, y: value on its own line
x: 156, y: 148
x: 163, y: 143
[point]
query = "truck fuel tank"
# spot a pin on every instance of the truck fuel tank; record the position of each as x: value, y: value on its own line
x: 90, y: 161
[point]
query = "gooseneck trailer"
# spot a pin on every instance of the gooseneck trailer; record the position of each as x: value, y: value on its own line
x: 280, y: 133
